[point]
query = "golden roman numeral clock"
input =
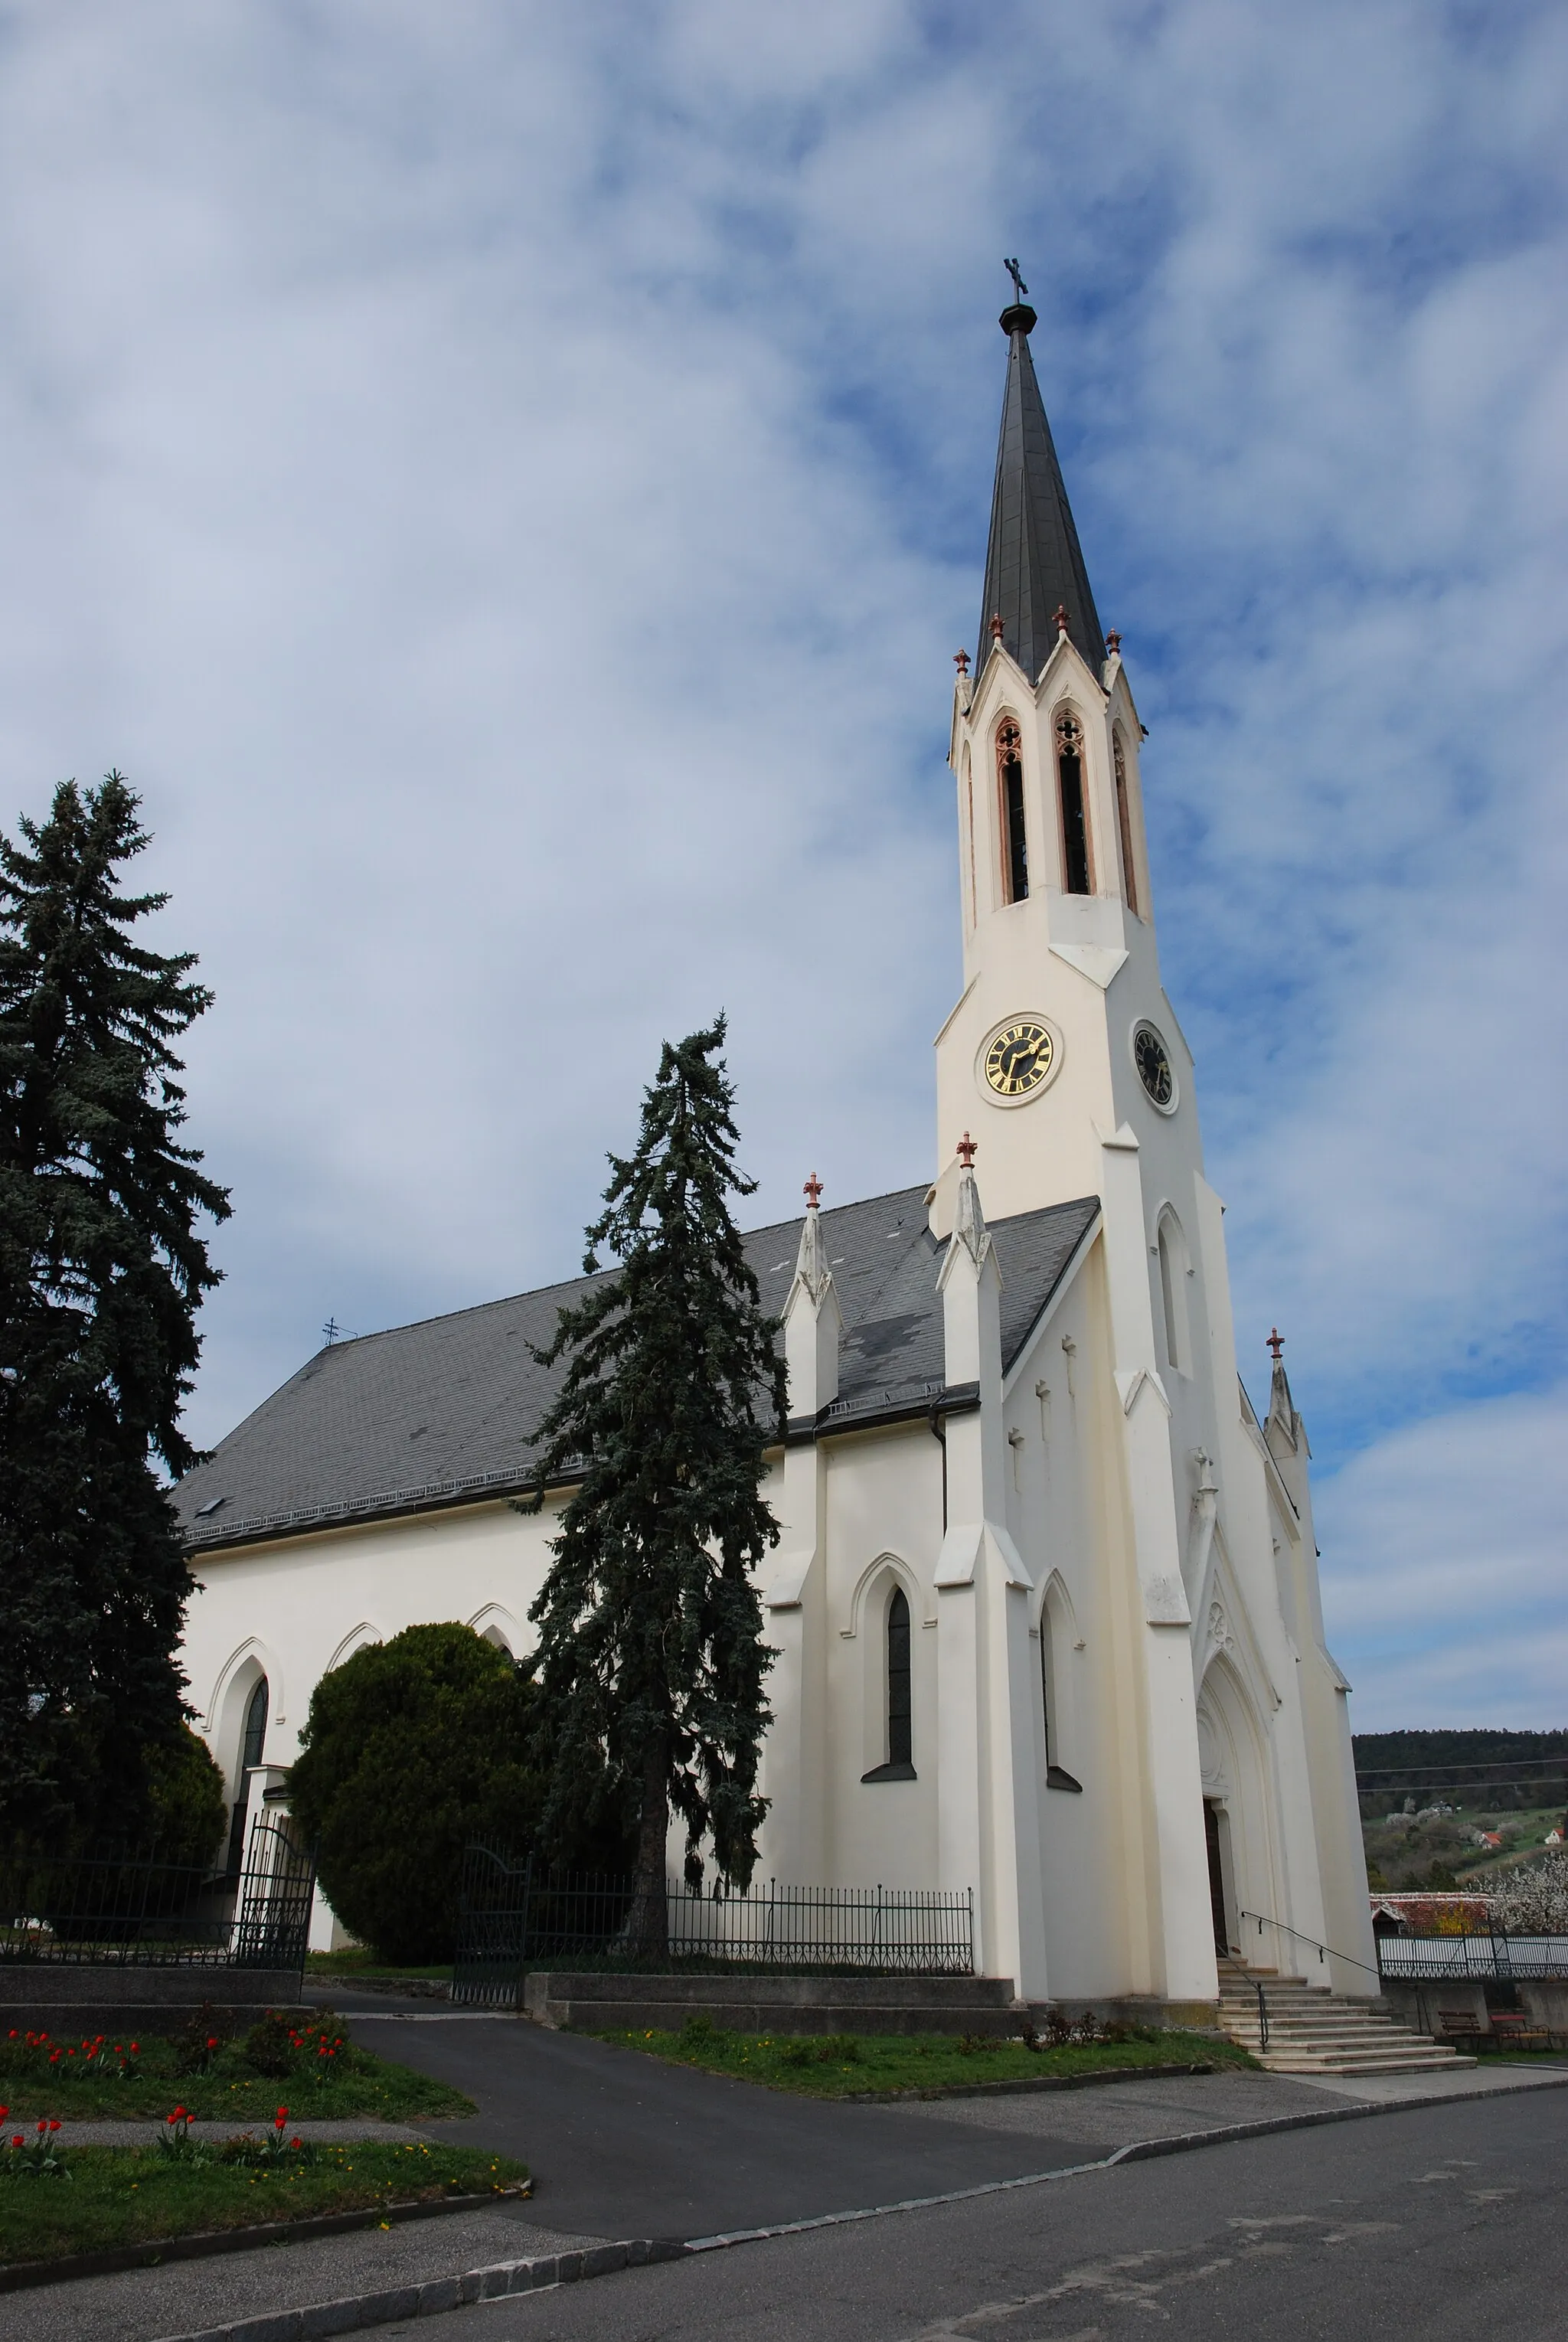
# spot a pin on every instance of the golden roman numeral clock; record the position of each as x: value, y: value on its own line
x: 1019, y: 1059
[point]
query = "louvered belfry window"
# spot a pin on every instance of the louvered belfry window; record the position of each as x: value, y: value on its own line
x: 1074, y: 822
x: 1015, y: 838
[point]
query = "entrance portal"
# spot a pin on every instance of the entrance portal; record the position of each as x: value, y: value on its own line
x: 1216, y: 1876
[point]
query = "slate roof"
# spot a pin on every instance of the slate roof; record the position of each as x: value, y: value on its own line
x: 1033, y: 562
x: 442, y: 1411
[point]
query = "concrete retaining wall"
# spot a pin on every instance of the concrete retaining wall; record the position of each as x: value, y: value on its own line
x: 598, y: 2003
x: 1421, y: 2005
x: 45, y: 1997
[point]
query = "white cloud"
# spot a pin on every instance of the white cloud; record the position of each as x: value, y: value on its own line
x: 507, y: 486
x: 1442, y: 1567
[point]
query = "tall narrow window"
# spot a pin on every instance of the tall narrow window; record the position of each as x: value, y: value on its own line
x: 1174, y: 1291
x: 1056, y: 1774
x: 1125, y: 823
x: 252, y: 1743
x: 900, y: 1722
x: 1074, y: 820
x: 1014, y: 840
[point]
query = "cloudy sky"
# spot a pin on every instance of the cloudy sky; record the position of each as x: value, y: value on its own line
x: 506, y: 482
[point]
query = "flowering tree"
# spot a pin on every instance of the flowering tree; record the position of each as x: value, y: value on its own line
x: 1533, y: 1901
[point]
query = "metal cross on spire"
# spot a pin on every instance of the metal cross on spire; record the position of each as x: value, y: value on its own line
x: 1275, y: 1342
x: 1019, y: 288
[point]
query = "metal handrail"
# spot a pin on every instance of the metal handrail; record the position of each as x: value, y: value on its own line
x: 1262, y: 2017
x: 1324, y: 1951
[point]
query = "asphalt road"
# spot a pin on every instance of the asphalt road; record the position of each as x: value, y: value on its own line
x: 1442, y: 2222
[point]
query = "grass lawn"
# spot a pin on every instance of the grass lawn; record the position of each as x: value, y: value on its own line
x: 245, y: 2078
x: 129, y: 2196
x: 358, y: 1962
x: 843, y: 2065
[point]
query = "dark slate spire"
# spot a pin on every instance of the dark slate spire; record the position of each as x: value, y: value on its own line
x: 1033, y: 565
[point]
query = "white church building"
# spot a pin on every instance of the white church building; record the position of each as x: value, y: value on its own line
x: 1046, y: 1596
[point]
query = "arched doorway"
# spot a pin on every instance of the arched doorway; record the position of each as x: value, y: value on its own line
x: 1236, y: 1804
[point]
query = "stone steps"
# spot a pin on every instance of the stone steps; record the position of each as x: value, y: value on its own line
x: 1315, y: 2032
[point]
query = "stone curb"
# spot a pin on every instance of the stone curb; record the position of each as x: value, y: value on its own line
x: 442, y: 2293
x: 153, y: 2251
x: 490, y: 2284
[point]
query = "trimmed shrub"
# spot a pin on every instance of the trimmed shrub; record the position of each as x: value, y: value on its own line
x: 412, y: 1748
x: 185, y: 1793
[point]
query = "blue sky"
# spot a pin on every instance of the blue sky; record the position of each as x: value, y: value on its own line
x: 507, y: 487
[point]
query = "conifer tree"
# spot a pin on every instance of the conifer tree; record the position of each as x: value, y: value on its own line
x: 102, y: 1270
x: 651, y: 1658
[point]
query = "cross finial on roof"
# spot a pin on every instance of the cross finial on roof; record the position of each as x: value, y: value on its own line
x: 1114, y: 644
x: 967, y: 1151
x: 1061, y: 618
x: 996, y: 627
x: 1019, y: 288
x: 1275, y: 1342
x: 812, y: 1191
x: 960, y: 661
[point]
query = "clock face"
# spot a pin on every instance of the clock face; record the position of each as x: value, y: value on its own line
x: 1154, y: 1063
x: 1020, y: 1058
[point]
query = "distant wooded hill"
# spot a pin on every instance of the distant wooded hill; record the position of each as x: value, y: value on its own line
x: 1502, y: 1769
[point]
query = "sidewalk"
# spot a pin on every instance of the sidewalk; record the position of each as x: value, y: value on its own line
x: 194, y: 2296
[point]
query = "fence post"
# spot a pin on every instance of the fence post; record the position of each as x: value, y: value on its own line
x: 522, y: 1929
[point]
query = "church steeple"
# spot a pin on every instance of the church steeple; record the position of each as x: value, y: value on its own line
x: 1033, y: 565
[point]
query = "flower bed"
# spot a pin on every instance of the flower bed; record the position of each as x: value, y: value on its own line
x: 215, y: 2072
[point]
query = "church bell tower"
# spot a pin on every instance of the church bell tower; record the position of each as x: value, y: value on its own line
x: 1062, y: 1034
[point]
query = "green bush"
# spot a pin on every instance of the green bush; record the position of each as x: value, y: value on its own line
x: 412, y: 1748
x: 268, y: 2047
x: 186, y: 1791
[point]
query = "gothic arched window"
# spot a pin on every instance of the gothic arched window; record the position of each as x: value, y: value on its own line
x: 1015, y: 839
x: 1070, y: 792
x: 1173, y: 1253
x: 252, y: 1740
x: 900, y: 1713
x: 1054, y: 1637
x: 1125, y: 822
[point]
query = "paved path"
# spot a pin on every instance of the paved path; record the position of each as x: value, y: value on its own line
x: 623, y: 2146
x: 130, y: 2133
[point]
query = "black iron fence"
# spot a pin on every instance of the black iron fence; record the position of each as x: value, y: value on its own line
x: 1485, y: 1958
x: 136, y: 1911
x: 516, y: 1913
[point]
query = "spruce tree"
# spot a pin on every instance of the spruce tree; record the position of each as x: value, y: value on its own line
x: 102, y: 1270
x: 651, y: 1659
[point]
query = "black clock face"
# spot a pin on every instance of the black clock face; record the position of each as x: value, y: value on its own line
x: 1153, y: 1065
x: 1019, y: 1058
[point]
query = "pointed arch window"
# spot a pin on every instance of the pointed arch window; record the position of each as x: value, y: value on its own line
x: 252, y: 1741
x: 1052, y: 1702
x: 1075, y: 813
x: 1173, y: 1252
x: 900, y: 1713
x: 1014, y: 836
x: 1125, y: 822
x: 900, y: 1709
